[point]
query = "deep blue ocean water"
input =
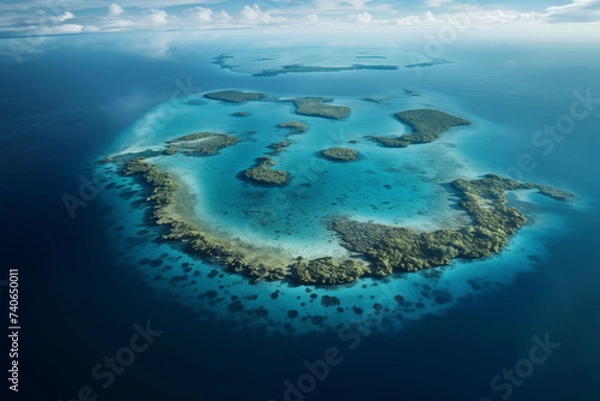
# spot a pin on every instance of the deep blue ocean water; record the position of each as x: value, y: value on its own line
x: 80, y: 298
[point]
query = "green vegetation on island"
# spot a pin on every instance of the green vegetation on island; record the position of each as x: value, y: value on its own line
x: 340, y: 154
x: 328, y: 270
x: 196, y: 240
x: 163, y: 185
x: 202, y: 143
x: 427, y: 126
x: 299, y: 68
x: 241, y: 114
x: 263, y: 174
x: 386, y: 249
x: 279, y: 147
x: 316, y: 107
x: 295, y: 127
x: 391, y: 249
x: 235, y: 96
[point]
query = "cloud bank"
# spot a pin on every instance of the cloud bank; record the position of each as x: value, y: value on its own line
x: 34, y: 17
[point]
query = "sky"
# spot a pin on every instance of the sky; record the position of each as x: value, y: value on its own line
x: 20, y: 18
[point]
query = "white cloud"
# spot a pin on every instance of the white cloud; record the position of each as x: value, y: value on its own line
x: 115, y: 10
x: 423, y: 19
x: 64, y: 17
x: 323, y: 15
x: 576, y: 11
x: 436, y: 3
x: 156, y: 17
x: 61, y: 29
x: 207, y: 15
x: 311, y: 18
x: 255, y: 15
x: 362, y: 18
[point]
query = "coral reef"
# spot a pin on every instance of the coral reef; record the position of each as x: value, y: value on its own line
x: 202, y: 143
x: 328, y: 270
x: 197, y: 241
x: 262, y: 173
x: 340, y: 154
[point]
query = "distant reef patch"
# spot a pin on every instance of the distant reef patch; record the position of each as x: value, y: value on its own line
x: 300, y: 68
x: 340, y: 154
x: 235, y: 96
x: 316, y: 107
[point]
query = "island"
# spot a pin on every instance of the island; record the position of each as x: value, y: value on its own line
x: 279, y: 147
x: 427, y: 125
x: 196, y: 240
x: 235, y: 96
x: 263, y: 174
x: 433, y: 62
x: 400, y: 249
x: 202, y: 143
x: 316, y: 107
x: 241, y: 114
x: 340, y: 154
x: 300, y: 68
x: 327, y: 270
x: 295, y: 127
x: 378, y: 250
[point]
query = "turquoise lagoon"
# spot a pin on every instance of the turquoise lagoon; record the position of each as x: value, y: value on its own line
x: 405, y: 187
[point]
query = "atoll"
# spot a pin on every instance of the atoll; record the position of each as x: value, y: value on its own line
x: 386, y: 249
x: 316, y: 107
x: 427, y: 126
x: 340, y: 154
x: 202, y: 143
x: 235, y: 96
x: 263, y: 174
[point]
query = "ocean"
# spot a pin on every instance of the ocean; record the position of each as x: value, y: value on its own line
x: 88, y: 278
